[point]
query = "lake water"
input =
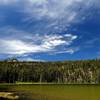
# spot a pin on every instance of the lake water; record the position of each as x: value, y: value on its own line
x: 54, y: 92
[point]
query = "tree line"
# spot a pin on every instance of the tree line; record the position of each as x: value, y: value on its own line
x: 69, y: 72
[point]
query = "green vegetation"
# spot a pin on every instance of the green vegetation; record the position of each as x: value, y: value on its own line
x: 54, y: 92
x: 68, y: 72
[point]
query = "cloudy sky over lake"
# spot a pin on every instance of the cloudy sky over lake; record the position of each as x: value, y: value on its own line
x: 50, y: 30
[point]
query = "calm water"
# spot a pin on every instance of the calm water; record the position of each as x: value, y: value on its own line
x: 54, y: 92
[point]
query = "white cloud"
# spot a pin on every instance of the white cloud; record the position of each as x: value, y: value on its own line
x: 51, y: 9
x: 30, y: 59
x: 37, y: 1
x: 19, y: 47
x: 51, y: 41
x: 36, y: 44
x: 68, y: 50
x: 54, y: 15
x: 14, y: 47
x: 50, y: 16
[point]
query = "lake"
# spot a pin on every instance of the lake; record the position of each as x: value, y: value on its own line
x: 53, y: 91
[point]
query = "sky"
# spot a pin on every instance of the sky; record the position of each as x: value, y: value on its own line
x: 50, y: 30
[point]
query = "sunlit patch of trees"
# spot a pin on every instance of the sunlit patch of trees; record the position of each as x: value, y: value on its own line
x: 71, y: 72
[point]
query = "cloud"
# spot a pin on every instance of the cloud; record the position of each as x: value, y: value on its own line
x: 7, y: 2
x: 68, y: 50
x: 37, y: 1
x: 55, y: 9
x: 50, y: 16
x: 52, y: 41
x: 30, y: 59
x: 27, y: 43
x: 43, y: 26
x: 19, y: 47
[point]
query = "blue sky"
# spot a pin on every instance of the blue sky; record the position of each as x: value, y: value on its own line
x: 50, y: 30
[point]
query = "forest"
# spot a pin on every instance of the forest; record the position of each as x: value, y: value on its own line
x: 68, y: 72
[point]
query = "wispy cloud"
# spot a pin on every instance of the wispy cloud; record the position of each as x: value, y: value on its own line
x: 7, y: 2
x: 50, y: 16
x: 68, y: 50
x: 53, y: 15
x: 42, y: 25
x: 17, y: 45
x: 30, y: 59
